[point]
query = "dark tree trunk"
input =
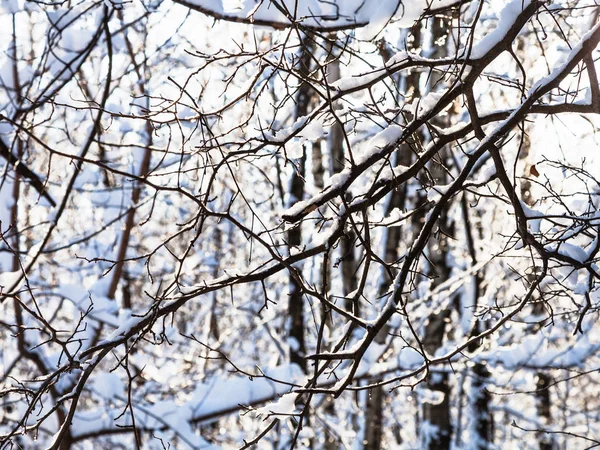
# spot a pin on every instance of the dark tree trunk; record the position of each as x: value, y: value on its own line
x: 438, y: 414
x: 296, y: 306
x: 348, y: 260
x: 374, y: 412
x: 480, y: 397
x: 294, y: 236
x: 543, y: 380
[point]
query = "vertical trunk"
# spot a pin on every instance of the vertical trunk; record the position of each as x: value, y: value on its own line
x: 137, y: 189
x: 480, y: 397
x: 437, y: 415
x: 374, y: 416
x: 347, y: 245
x: 16, y: 187
x: 348, y: 258
x: 126, y: 235
x: 296, y: 304
x: 318, y: 166
x: 542, y: 397
x: 479, y: 400
x: 481, y: 407
x: 543, y: 380
x: 294, y: 236
x: 318, y: 171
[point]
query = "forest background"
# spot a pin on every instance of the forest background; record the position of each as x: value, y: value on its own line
x: 308, y: 224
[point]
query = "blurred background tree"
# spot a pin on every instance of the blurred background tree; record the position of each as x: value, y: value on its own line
x: 299, y: 224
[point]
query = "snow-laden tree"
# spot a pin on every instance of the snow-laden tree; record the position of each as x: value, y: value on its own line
x: 299, y: 224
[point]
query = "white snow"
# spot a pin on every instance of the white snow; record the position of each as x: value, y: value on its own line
x: 534, y: 217
x: 572, y: 251
x: 10, y: 281
x: 335, y: 182
x: 294, y: 149
x: 356, y: 81
x: 286, y: 405
x: 389, y: 173
x: 385, y: 137
x: 220, y: 394
x: 436, y: 192
x: 107, y: 385
x: 560, y: 68
x: 427, y: 103
x: 14, y: 6
x: 313, y: 131
x: 371, y: 15
x: 508, y: 17
x: 127, y: 321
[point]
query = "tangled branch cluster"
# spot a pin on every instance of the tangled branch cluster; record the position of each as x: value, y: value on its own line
x: 207, y: 210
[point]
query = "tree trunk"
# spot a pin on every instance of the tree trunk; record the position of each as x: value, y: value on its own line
x: 294, y: 236
x: 437, y: 414
x: 374, y: 413
x: 137, y: 189
x: 480, y: 397
x: 543, y: 380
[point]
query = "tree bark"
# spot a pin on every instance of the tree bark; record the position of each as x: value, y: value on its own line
x: 294, y: 236
x: 374, y: 415
x: 137, y: 189
x: 437, y: 414
x: 543, y: 380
